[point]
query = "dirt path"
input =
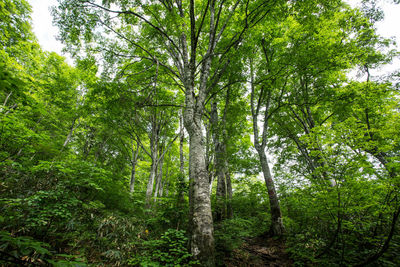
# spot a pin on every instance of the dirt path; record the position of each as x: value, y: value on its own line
x: 260, y: 252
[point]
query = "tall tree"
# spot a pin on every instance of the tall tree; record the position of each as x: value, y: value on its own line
x: 196, y: 36
x: 260, y: 143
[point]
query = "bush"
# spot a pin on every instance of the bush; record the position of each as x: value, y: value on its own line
x: 169, y: 250
x: 26, y: 251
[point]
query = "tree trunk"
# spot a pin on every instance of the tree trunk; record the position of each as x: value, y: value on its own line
x: 202, y: 241
x: 163, y: 182
x: 153, y: 171
x: 161, y: 193
x: 159, y: 178
x: 181, y: 182
x: 220, y: 209
x: 229, y: 208
x: 166, y: 188
x: 210, y: 156
x: 135, y: 155
x: 154, y: 159
x: 200, y: 220
x: 221, y: 186
x: 71, y: 131
x: 150, y: 184
x: 277, y: 228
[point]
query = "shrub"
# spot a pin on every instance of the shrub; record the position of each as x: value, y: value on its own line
x: 169, y: 250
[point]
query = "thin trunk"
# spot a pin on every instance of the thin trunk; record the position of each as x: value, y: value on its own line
x: 163, y: 182
x: 190, y: 225
x: 277, y: 228
x: 159, y: 178
x: 10, y: 109
x: 181, y: 178
x: 161, y: 193
x: 220, y: 209
x: 221, y: 185
x: 229, y: 208
x: 167, y: 188
x: 154, y: 159
x: 135, y: 156
x: 87, y: 146
x: 209, y: 156
x: 5, y: 101
x: 153, y: 170
x: 71, y: 131
x: 385, y: 246
x: 382, y: 158
x: 181, y: 185
x: 150, y: 184
x: 307, y: 123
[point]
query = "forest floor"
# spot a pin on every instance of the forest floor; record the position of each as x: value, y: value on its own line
x: 260, y: 252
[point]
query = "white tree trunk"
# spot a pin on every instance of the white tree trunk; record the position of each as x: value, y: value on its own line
x: 135, y: 156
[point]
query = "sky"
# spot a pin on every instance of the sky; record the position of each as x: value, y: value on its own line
x: 46, y: 32
x: 43, y: 25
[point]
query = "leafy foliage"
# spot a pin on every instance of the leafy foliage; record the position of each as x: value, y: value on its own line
x: 169, y: 250
x: 73, y: 140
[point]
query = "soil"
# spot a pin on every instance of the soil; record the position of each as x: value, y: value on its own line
x: 260, y: 252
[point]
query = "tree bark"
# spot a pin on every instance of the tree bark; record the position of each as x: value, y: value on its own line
x: 154, y: 154
x: 277, y: 228
x: 135, y: 156
x: 150, y: 183
x: 202, y: 240
x: 210, y: 156
x: 181, y: 182
x: 181, y: 178
x: 166, y: 188
x: 159, y: 177
x: 72, y: 128
x: 163, y: 182
x: 229, y: 208
x: 220, y: 209
x: 221, y: 185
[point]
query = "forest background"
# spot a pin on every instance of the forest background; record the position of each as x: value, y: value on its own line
x: 154, y: 147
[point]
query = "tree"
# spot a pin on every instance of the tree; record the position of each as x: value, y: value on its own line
x: 260, y: 143
x: 199, y: 57
x: 310, y: 134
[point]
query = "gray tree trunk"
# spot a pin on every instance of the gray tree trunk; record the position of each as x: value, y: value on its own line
x: 71, y: 131
x: 150, y: 183
x: 166, y: 188
x: 202, y: 229
x: 229, y: 208
x: 277, y: 228
x: 221, y: 184
x: 159, y: 178
x: 220, y: 209
x: 181, y: 182
x: 163, y: 182
x: 135, y: 156
x: 202, y: 239
x: 154, y: 154
x: 210, y: 155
